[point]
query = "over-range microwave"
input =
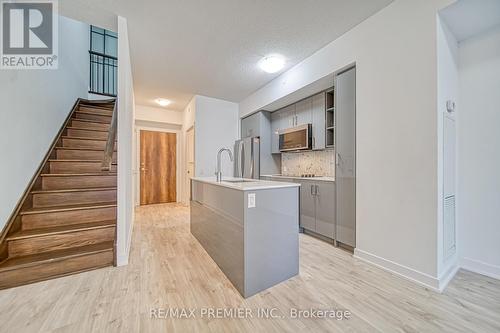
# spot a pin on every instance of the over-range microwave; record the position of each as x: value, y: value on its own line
x: 296, y: 138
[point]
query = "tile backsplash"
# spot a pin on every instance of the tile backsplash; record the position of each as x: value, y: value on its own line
x: 320, y: 163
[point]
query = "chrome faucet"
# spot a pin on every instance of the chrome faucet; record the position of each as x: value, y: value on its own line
x: 218, y: 171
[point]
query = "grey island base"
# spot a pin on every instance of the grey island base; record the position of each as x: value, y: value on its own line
x: 250, y: 229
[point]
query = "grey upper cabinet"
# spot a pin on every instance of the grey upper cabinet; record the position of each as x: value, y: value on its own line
x: 318, y: 121
x: 325, y: 209
x: 260, y: 124
x: 250, y: 126
x: 307, y: 206
x: 275, y: 128
x: 311, y: 110
x: 288, y: 116
x: 303, y: 111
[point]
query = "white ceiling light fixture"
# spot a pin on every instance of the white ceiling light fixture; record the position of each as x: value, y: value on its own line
x: 162, y: 101
x: 272, y: 63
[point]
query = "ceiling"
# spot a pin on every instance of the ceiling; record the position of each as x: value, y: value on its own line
x: 467, y: 18
x: 184, y: 47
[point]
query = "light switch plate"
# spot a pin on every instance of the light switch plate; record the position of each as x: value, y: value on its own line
x: 251, y: 200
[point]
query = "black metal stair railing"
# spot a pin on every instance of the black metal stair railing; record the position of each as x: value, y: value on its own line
x: 103, y: 74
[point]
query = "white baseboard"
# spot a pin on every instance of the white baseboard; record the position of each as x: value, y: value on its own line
x: 445, y: 279
x: 480, y: 267
x: 423, y: 279
x: 122, y: 258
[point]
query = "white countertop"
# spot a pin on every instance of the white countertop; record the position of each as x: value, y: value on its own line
x: 325, y: 179
x: 248, y: 185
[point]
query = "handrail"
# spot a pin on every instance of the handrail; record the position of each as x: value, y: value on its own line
x: 110, y: 143
x: 103, y: 55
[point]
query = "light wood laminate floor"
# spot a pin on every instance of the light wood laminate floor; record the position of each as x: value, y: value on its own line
x: 169, y: 269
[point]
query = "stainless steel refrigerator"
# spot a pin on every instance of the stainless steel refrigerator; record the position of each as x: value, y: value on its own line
x: 247, y: 158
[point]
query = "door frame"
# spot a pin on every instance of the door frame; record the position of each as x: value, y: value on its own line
x: 178, y: 159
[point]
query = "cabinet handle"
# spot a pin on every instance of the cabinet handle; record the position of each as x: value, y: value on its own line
x: 312, y: 193
x: 317, y: 190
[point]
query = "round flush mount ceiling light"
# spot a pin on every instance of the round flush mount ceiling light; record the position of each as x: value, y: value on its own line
x: 162, y: 101
x: 272, y: 63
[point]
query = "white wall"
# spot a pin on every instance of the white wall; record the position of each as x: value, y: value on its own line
x: 215, y: 123
x: 160, y: 115
x: 447, y: 81
x: 479, y: 154
x: 216, y: 126
x: 188, y: 123
x: 396, y: 148
x: 34, y: 104
x: 126, y: 146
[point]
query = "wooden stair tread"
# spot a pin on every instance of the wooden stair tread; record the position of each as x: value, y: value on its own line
x: 87, y: 129
x: 45, y: 257
x: 62, y: 229
x: 90, y: 121
x: 83, y: 148
x: 75, y: 190
x: 103, y: 173
x: 86, y: 112
x: 79, y: 161
x: 82, y: 138
x: 42, y: 210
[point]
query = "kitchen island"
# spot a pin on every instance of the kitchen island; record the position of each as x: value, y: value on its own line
x: 249, y: 228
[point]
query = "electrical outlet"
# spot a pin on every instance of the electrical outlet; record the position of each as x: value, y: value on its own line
x: 251, y: 200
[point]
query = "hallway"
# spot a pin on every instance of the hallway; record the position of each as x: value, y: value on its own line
x: 169, y: 269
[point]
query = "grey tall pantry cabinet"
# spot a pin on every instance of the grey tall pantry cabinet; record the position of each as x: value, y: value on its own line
x: 345, y: 159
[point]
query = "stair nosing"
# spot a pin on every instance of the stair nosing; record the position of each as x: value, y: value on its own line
x: 91, y: 121
x: 82, y: 148
x: 55, y: 259
x: 94, y: 114
x: 87, y: 129
x: 78, y: 161
x: 49, y: 231
x: 82, y: 138
x: 104, y: 173
x: 72, y: 190
x: 55, y: 209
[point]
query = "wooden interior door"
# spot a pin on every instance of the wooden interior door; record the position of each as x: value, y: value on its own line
x: 158, y: 167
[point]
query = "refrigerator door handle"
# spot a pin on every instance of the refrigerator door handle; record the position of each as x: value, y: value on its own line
x: 251, y: 160
x: 238, y: 162
x: 242, y: 159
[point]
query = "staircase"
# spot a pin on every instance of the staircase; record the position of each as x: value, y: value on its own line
x: 65, y: 223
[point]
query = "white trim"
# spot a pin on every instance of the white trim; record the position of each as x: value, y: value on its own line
x: 445, y: 279
x: 423, y: 279
x: 480, y: 267
x: 122, y: 258
x: 157, y: 127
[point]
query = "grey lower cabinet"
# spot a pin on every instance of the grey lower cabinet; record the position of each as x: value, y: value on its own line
x: 325, y: 209
x: 307, y: 206
x: 317, y: 207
